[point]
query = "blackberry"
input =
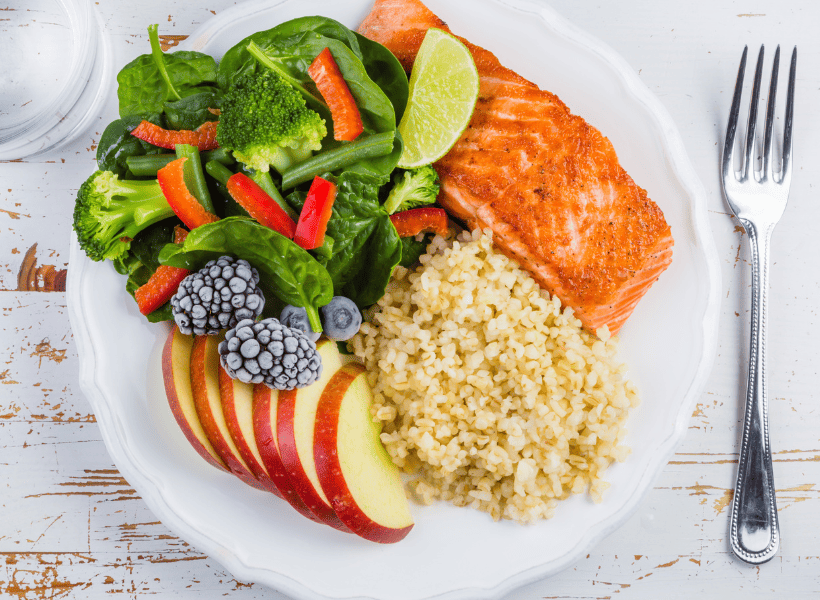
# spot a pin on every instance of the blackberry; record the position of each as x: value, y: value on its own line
x: 281, y: 357
x: 217, y: 297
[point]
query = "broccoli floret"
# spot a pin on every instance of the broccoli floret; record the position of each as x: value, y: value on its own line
x: 265, y: 121
x: 411, y: 189
x: 109, y: 212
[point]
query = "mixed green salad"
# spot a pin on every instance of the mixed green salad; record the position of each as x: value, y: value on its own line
x: 242, y: 157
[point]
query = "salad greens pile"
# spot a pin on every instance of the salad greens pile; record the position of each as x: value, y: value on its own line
x: 268, y: 113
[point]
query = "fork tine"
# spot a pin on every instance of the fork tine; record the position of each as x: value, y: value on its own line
x: 748, y: 166
x: 731, y: 128
x: 767, y: 136
x: 785, y: 170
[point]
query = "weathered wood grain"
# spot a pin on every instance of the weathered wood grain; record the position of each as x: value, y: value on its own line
x: 73, y: 528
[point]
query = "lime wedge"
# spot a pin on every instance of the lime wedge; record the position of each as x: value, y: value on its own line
x: 443, y: 93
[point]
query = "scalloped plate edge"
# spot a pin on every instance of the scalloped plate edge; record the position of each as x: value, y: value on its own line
x: 139, y: 477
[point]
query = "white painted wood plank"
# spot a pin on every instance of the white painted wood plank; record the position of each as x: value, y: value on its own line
x: 38, y: 365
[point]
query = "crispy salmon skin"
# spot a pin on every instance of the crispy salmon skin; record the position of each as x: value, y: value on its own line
x: 545, y: 181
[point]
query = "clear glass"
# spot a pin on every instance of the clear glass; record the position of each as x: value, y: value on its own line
x: 54, y: 61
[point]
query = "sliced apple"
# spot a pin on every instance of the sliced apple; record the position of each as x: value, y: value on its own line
x: 176, y: 373
x: 295, y: 420
x: 208, y: 402
x: 265, y: 404
x: 356, y: 473
x: 237, y: 407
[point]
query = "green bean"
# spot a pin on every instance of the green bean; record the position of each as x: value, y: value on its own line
x: 194, y: 177
x: 218, y: 171
x: 147, y: 166
x: 220, y: 155
x: 265, y: 181
x: 338, y: 158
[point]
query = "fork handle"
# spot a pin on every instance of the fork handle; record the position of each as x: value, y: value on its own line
x: 755, y: 532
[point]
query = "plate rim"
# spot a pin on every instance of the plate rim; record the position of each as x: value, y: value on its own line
x: 685, y: 176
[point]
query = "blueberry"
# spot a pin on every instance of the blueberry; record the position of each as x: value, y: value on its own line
x: 341, y: 318
x: 296, y: 317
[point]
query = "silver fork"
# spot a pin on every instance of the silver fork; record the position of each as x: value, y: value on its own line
x: 758, y: 199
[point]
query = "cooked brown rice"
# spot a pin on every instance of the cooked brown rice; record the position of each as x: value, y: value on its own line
x: 489, y: 394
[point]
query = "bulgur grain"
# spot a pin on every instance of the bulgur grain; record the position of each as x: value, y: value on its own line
x: 488, y: 393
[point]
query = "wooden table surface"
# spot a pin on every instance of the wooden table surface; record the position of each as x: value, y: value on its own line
x: 72, y: 526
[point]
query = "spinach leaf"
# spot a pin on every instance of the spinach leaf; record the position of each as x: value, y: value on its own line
x: 148, y: 243
x: 382, y: 254
x: 286, y: 271
x: 411, y: 250
x: 192, y: 111
x: 238, y: 61
x: 117, y: 144
x: 386, y: 71
x: 142, y: 90
x: 126, y: 263
x: 163, y: 313
x: 366, y: 246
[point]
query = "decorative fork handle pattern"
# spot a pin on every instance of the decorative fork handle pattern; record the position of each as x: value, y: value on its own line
x: 755, y: 532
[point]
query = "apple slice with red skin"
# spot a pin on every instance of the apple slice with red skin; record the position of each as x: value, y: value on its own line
x: 265, y: 404
x: 237, y: 407
x: 176, y: 374
x: 208, y: 402
x: 295, y: 422
x: 356, y: 472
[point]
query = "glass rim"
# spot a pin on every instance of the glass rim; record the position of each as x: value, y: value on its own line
x: 55, y: 123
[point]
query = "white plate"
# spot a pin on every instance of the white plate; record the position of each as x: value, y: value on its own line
x: 669, y: 343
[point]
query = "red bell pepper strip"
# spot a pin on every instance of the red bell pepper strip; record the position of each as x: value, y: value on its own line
x: 163, y: 283
x: 160, y: 288
x: 180, y: 233
x: 184, y: 204
x: 412, y: 222
x: 204, y: 137
x: 310, y: 230
x: 260, y: 205
x: 325, y: 73
x: 207, y: 136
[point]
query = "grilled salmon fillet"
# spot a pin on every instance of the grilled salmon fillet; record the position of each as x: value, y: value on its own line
x: 545, y: 181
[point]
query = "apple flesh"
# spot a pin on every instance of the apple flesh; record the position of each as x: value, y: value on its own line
x: 237, y: 407
x: 208, y: 401
x: 317, y: 447
x: 355, y: 471
x: 176, y: 374
x: 295, y: 421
